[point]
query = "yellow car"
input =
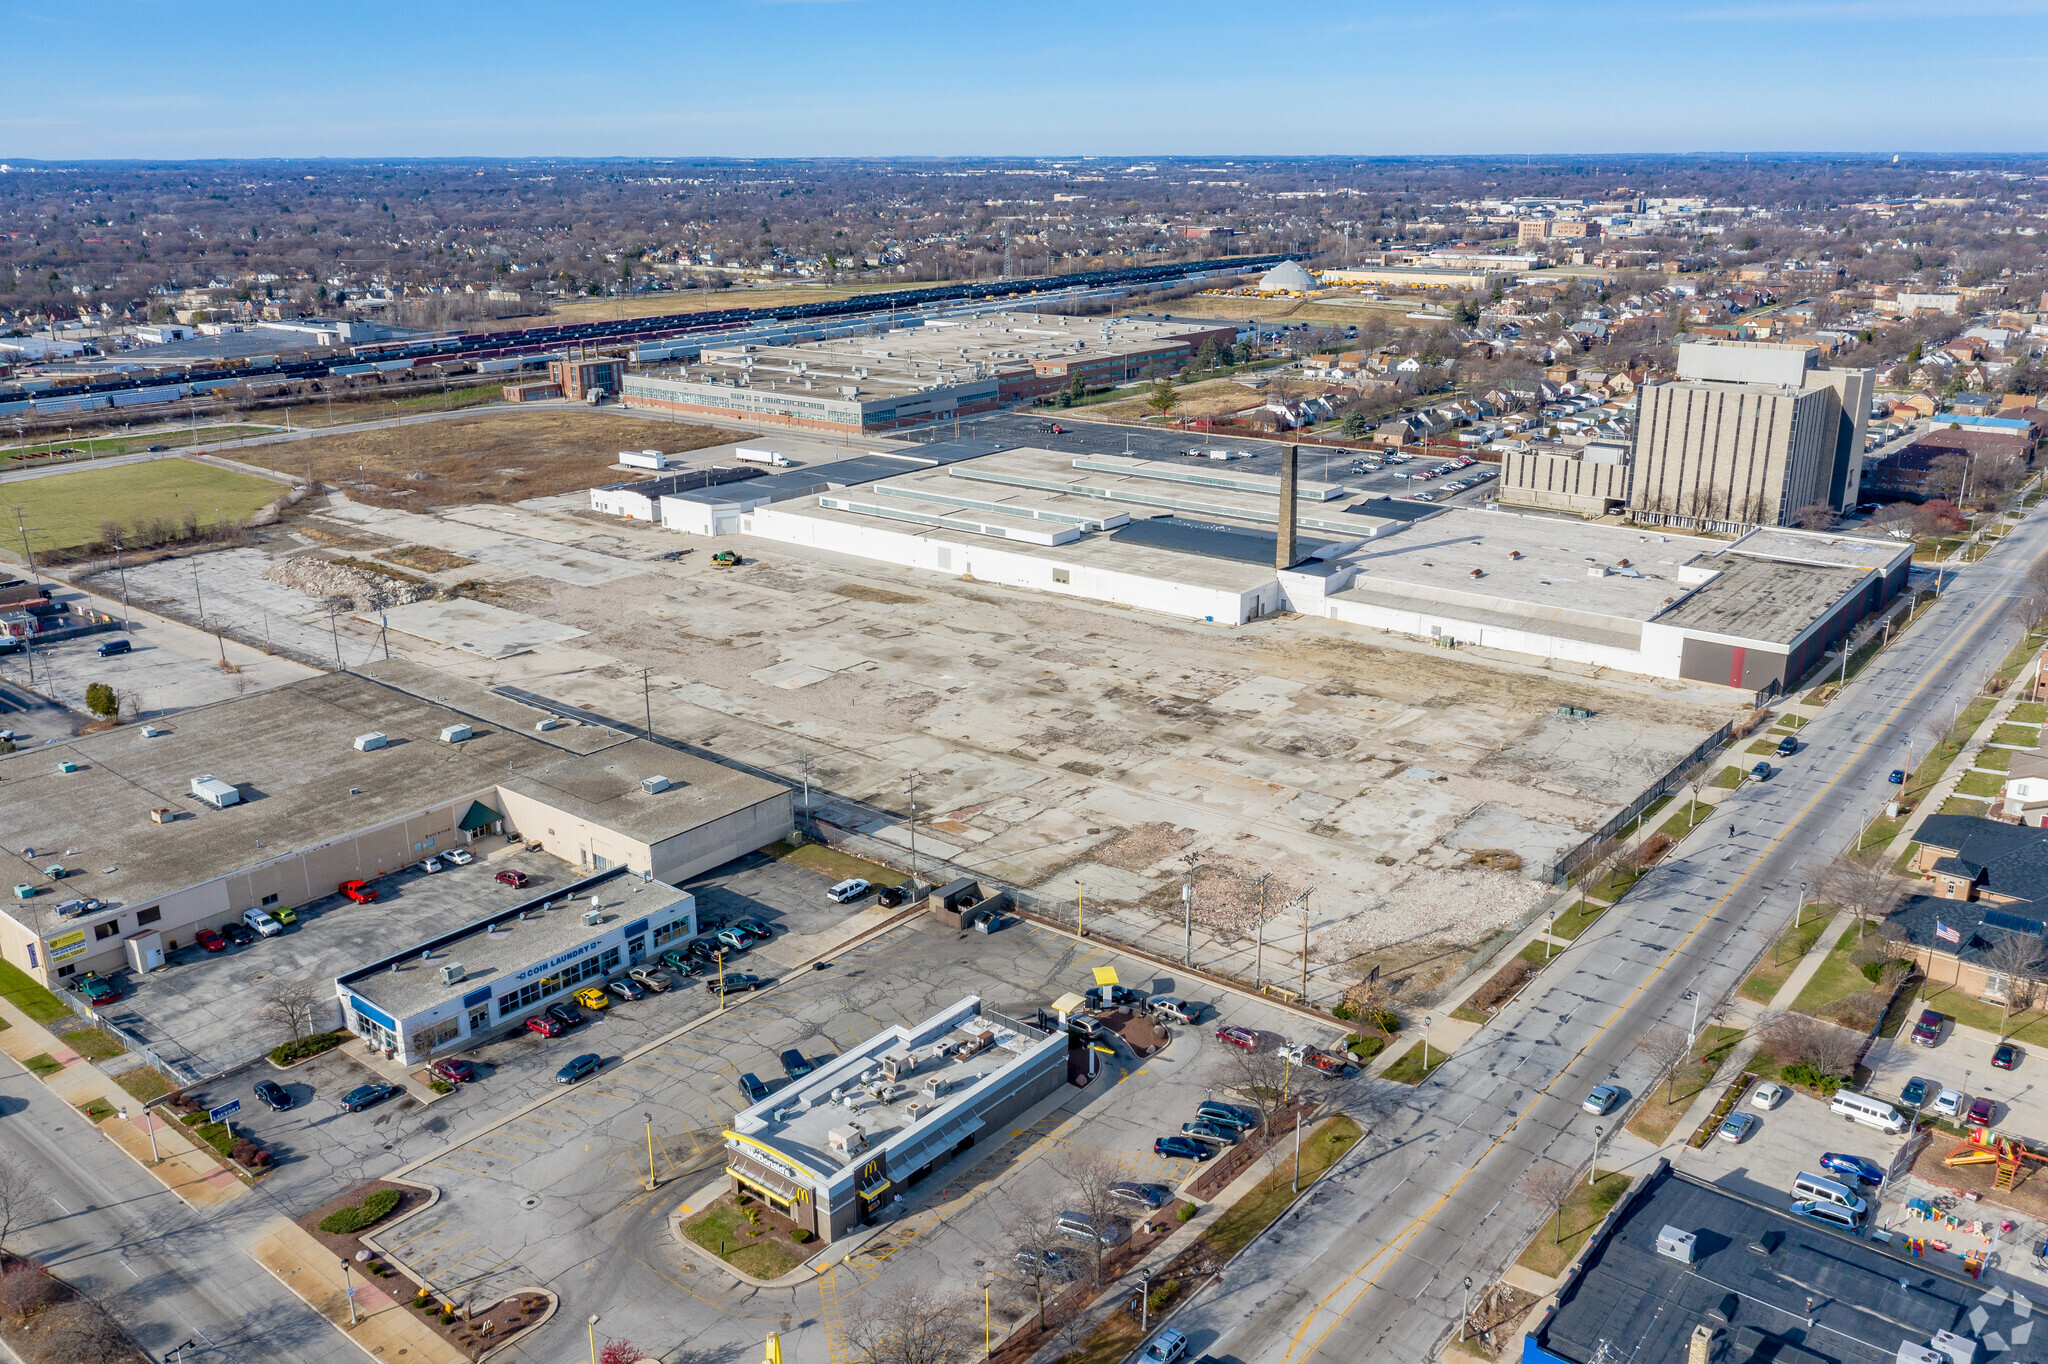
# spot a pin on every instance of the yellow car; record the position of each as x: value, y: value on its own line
x: 593, y: 998
x: 282, y: 914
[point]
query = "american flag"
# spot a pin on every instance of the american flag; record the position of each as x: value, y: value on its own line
x: 1945, y: 933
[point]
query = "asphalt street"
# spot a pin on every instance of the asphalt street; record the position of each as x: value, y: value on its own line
x: 169, y: 1274
x: 1372, y: 1266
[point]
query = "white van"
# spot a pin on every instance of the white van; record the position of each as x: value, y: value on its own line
x: 1823, y: 1190
x: 1871, y: 1112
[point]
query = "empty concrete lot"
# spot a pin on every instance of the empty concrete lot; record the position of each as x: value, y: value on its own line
x: 544, y: 1185
x: 1056, y: 740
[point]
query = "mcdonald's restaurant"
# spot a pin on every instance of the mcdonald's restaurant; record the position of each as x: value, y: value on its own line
x: 833, y: 1150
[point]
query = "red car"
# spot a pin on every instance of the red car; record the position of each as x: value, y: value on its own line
x: 359, y: 891
x: 210, y: 940
x: 454, y: 1070
x: 545, y: 1026
x: 514, y: 879
x: 1238, y: 1037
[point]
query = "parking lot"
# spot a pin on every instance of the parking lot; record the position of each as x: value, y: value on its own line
x: 197, y: 1012
x: 1962, y: 1061
x: 1788, y: 1139
x: 546, y: 1187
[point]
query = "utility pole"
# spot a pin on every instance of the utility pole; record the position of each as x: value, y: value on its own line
x: 200, y: 597
x: 26, y: 552
x: 121, y: 569
x: 910, y: 787
x: 1187, y: 907
x: 1259, y: 957
x: 804, y: 761
x: 1304, y: 942
x: 647, y: 705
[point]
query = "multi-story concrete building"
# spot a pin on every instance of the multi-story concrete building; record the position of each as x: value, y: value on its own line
x: 1592, y: 479
x: 1751, y: 433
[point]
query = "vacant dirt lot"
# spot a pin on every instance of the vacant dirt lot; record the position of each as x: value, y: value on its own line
x: 497, y: 457
x: 1210, y: 398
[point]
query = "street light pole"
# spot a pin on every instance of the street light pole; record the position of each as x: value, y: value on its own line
x: 1187, y: 909
x: 650, y: 1149
x: 1466, y: 1319
x: 593, y: 1338
x: 1593, y: 1170
x: 348, y: 1289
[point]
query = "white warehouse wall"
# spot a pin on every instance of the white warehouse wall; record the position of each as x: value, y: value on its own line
x: 1430, y: 624
x: 985, y: 562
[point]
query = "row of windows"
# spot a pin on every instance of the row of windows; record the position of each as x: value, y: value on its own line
x: 533, y: 992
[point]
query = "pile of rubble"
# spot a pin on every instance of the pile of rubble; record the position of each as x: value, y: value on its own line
x: 344, y: 587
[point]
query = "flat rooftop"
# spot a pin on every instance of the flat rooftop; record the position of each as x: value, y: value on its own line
x: 933, y: 1068
x: 1541, y: 562
x: 938, y: 353
x: 494, y: 950
x: 1763, y: 599
x: 290, y: 752
x: 1758, y: 1267
x: 1818, y: 547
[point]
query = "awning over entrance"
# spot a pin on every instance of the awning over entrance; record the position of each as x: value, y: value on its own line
x: 767, y: 1182
x: 480, y: 816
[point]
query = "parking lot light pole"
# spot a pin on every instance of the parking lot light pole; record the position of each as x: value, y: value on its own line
x: 1464, y: 1320
x: 988, y: 1335
x: 650, y: 1149
x: 1428, y: 1021
x: 1593, y: 1170
x: 348, y: 1290
x: 593, y: 1338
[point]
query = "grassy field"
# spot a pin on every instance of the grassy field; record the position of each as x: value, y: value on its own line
x: 1962, y: 805
x: 145, y: 1083
x: 722, y: 1230
x: 1981, y: 784
x: 1580, y: 917
x: 1996, y: 759
x: 1547, y: 1253
x: 32, y: 999
x: 93, y: 1044
x: 2022, y: 736
x: 1253, y: 1213
x: 703, y: 301
x: 1661, y: 1109
x: 2029, y: 713
x: 1881, y: 832
x: 1690, y: 817
x: 2030, y: 1027
x: 491, y: 457
x: 1727, y: 779
x: 69, y: 509
x: 1776, y: 968
x: 1212, y: 398
x: 99, y: 447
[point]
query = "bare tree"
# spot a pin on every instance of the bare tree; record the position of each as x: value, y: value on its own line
x: 1863, y: 883
x: 81, y: 1332
x: 1798, y: 1039
x: 1259, y: 1075
x: 27, y: 1288
x: 1664, y: 1047
x: 1814, y: 516
x: 2017, y: 957
x: 920, y: 1323
x: 1550, y: 1187
x: 1087, y: 1173
x: 289, y: 1004
x: 21, y: 1198
x: 1028, y: 1224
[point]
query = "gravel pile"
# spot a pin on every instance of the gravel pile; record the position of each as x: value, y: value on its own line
x: 341, y: 587
x: 1455, y: 906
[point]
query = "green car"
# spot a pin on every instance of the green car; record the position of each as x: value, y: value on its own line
x: 283, y: 915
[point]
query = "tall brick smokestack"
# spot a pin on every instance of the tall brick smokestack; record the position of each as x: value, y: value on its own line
x: 1283, y: 553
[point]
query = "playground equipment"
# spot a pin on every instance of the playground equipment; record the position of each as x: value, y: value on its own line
x: 1986, y: 1147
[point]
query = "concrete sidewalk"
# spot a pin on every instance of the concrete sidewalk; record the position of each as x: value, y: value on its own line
x: 384, y: 1329
x: 196, y: 1175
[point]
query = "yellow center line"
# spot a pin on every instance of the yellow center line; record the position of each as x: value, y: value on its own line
x: 1421, y: 1220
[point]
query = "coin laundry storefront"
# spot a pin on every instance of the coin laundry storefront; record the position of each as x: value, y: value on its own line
x: 441, y: 994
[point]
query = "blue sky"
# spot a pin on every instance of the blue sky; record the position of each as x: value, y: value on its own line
x: 198, y: 78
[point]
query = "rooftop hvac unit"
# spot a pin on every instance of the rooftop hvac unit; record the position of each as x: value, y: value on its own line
x: 849, y: 1140
x: 1959, y: 1349
x: 550, y: 722
x: 451, y: 973
x: 150, y: 731
x: 1674, y: 1244
x: 454, y: 734
x: 161, y: 815
x: 654, y: 785
x: 218, y: 794
x: 914, y: 1110
x: 367, y: 742
x: 1911, y: 1352
x: 593, y: 917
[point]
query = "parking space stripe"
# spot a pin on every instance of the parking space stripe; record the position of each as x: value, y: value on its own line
x: 464, y: 1168
x: 514, y: 1136
x: 565, y: 1126
x: 606, y: 1093
x: 424, y: 1231
x: 593, y: 1112
x: 480, y: 1151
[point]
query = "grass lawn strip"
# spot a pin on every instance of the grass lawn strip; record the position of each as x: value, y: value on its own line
x: 1837, y: 978
x: 1689, y: 818
x: 1253, y: 1213
x: 1881, y: 832
x: 145, y: 1083
x: 1578, y: 919
x: 1662, y: 1107
x: 834, y: 863
x: 1778, y: 964
x: 1980, y: 784
x: 1960, y: 805
x: 2028, y: 712
x: 2030, y: 1027
x: 93, y: 1044
x: 24, y: 994
x: 1727, y: 779
x: 42, y: 1065
x: 1546, y: 1254
x: 2019, y: 736
x: 1994, y: 759
x: 1409, y: 1069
